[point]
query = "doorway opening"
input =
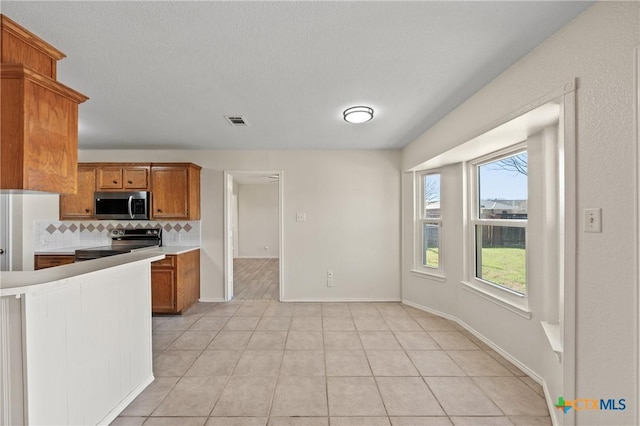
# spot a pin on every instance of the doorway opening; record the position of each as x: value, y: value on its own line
x: 253, y: 235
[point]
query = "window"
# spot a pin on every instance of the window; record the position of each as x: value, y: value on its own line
x: 429, y: 223
x: 499, y: 221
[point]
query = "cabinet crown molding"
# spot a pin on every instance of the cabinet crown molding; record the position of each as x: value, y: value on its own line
x: 15, y: 29
x: 20, y: 71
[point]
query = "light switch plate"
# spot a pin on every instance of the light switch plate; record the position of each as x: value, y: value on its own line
x: 592, y: 220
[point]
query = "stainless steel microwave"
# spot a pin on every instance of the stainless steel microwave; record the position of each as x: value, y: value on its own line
x: 122, y: 205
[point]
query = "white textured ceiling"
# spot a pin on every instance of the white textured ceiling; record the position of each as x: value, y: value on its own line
x: 163, y: 74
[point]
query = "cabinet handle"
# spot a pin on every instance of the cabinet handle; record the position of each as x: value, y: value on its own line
x: 115, y: 181
x: 87, y: 210
x: 159, y: 210
x: 129, y: 182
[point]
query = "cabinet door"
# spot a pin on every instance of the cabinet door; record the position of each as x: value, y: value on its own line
x: 110, y: 178
x: 169, y: 192
x: 80, y: 205
x: 163, y: 295
x: 188, y: 279
x: 136, y: 178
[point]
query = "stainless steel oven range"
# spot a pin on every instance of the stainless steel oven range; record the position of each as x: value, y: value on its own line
x: 123, y: 241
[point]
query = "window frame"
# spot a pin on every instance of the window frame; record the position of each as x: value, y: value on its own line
x: 505, y: 296
x: 420, y: 220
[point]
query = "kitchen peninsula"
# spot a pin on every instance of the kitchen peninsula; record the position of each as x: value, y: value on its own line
x: 75, y: 340
x: 175, y: 280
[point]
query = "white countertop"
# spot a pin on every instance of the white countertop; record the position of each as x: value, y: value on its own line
x: 59, y: 251
x: 71, y: 250
x: 175, y: 249
x: 16, y: 283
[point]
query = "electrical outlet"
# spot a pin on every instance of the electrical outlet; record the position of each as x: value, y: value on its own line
x: 329, y: 278
x: 592, y: 220
x: 301, y: 217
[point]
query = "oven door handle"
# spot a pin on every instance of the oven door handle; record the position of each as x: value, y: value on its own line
x: 129, y: 205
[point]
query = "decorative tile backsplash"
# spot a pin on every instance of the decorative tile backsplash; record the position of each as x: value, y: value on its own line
x: 54, y: 234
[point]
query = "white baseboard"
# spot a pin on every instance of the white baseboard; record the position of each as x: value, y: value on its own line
x: 111, y: 416
x: 480, y: 336
x: 551, y: 405
x: 336, y: 300
x: 256, y: 257
x: 344, y: 299
x: 429, y: 310
x: 498, y: 349
x: 211, y: 299
x: 502, y: 352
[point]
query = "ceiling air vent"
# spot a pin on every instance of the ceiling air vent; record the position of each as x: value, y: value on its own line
x: 236, y: 120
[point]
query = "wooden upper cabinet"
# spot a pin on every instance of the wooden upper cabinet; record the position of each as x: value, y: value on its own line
x: 175, y: 191
x: 39, y: 120
x: 21, y: 46
x: 174, y: 187
x: 80, y: 205
x: 123, y: 178
x: 109, y: 178
x: 136, y: 178
x: 39, y: 132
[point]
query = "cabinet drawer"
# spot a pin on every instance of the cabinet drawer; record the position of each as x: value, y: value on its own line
x: 49, y: 261
x: 168, y: 262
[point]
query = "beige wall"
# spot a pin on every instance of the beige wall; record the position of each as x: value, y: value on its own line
x: 352, y: 203
x: 258, y: 220
x: 598, y: 50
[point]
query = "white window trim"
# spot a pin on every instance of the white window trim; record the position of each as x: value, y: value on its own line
x: 513, y: 301
x: 419, y: 269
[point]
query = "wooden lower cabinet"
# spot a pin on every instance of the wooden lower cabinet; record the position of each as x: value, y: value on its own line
x: 42, y: 261
x: 175, y: 282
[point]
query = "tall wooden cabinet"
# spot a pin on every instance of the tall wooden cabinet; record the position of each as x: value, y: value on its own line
x: 39, y: 115
x: 175, y: 282
x: 175, y: 191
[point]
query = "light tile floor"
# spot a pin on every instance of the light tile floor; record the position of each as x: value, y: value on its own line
x: 259, y: 362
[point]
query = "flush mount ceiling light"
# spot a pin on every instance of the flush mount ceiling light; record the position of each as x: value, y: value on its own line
x: 358, y: 114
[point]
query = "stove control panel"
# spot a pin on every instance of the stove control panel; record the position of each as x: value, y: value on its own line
x: 135, y: 234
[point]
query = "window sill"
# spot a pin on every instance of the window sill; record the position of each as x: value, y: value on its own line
x: 509, y: 305
x: 552, y: 331
x: 430, y: 275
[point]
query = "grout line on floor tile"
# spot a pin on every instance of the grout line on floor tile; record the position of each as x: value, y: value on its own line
x: 382, y: 311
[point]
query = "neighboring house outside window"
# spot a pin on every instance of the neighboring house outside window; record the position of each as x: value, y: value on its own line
x: 498, y: 194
